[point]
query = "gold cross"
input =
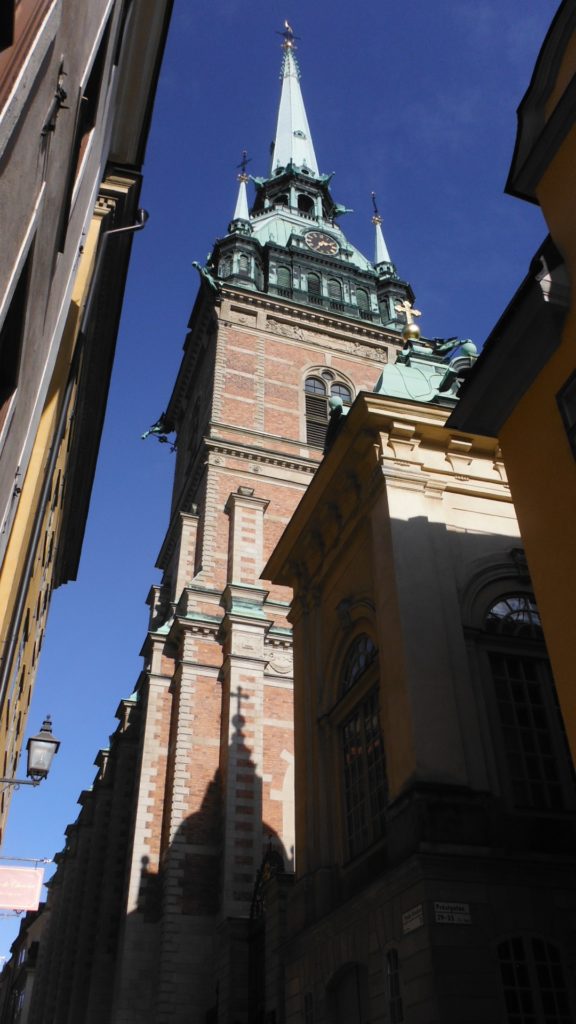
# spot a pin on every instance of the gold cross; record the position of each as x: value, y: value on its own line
x: 408, y: 310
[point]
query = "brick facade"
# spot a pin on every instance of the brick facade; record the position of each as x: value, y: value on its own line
x: 216, y: 768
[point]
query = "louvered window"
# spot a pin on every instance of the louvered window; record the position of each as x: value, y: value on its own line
x: 313, y: 284
x: 283, y: 277
x: 317, y: 410
x: 335, y: 289
x: 243, y: 264
x: 362, y: 300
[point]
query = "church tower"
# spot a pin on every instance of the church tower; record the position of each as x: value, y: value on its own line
x: 291, y: 320
x: 289, y: 315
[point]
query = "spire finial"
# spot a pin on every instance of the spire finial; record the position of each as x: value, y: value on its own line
x: 242, y: 165
x: 381, y: 254
x: 289, y: 37
x: 376, y: 218
x: 241, y: 219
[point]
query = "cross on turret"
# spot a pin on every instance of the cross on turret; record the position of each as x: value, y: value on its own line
x: 408, y: 309
x: 243, y: 176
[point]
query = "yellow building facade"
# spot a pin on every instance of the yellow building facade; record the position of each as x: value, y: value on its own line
x: 76, y: 95
x: 523, y: 388
x: 435, y: 810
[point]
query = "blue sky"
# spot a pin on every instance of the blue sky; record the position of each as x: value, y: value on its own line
x: 413, y: 100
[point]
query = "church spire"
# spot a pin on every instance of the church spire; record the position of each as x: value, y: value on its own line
x: 241, y: 220
x: 381, y: 254
x: 293, y: 142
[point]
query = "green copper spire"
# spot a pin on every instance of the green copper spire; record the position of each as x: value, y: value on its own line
x: 293, y: 143
x: 241, y: 220
x: 381, y: 254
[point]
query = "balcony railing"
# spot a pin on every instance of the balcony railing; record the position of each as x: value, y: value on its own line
x: 324, y: 302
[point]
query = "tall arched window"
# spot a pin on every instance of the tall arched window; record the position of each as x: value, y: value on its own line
x: 305, y: 203
x: 318, y: 391
x: 362, y: 299
x: 347, y: 995
x: 533, y: 983
x: 534, y: 750
x: 243, y: 264
x: 364, y: 781
x: 335, y: 289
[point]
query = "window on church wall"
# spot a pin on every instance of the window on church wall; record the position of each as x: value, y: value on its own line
x: 317, y: 394
x: 347, y: 995
x: 225, y: 267
x: 243, y: 264
x: 533, y: 982
x: 535, y: 758
x: 283, y: 277
x: 314, y: 284
x: 362, y: 298
x: 361, y: 749
x: 305, y: 204
x: 335, y: 289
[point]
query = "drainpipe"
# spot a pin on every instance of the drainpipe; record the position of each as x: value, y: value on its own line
x: 141, y: 218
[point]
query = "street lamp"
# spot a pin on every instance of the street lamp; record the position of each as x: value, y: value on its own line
x: 40, y: 750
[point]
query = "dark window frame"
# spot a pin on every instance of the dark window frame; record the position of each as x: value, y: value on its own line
x: 531, y: 747
x: 566, y: 402
x: 360, y: 755
x: 12, y: 336
x: 533, y: 981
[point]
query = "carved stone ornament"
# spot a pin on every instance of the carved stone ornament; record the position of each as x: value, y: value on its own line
x: 281, y: 663
x: 287, y: 330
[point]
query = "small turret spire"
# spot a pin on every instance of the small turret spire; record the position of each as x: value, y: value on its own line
x: 293, y: 142
x: 241, y: 220
x: 241, y: 211
x: 381, y: 254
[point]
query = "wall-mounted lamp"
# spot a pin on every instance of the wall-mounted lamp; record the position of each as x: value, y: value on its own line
x: 40, y: 750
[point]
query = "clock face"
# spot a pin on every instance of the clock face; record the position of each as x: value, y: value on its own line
x: 321, y: 243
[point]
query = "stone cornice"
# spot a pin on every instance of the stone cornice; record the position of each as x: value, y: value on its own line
x: 266, y: 457
x: 321, y: 321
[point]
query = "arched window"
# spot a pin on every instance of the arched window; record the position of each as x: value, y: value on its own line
x: 335, y: 289
x: 347, y: 995
x: 360, y: 655
x: 314, y: 284
x: 362, y: 299
x: 343, y: 391
x: 283, y: 200
x: 318, y: 392
x: 283, y: 277
x: 534, y: 751
x: 365, y: 785
x: 305, y: 204
x: 225, y: 268
x: 243, y: 264
x: 533, y: 983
